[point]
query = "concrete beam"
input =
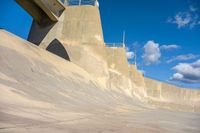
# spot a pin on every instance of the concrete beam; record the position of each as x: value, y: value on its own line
x: 48, y: 12
x: 55, y: 6
x: 42, y: 9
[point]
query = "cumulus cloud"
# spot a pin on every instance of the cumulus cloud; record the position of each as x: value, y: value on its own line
x: 183, y: 58
x: 169, y: 47
x: 188, y: 18
x: 187, y: 72
x: 151, y: 53
x: 196, y: 64
x: 129, y: 54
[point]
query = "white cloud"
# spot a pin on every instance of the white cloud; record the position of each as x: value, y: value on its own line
x: 183, y: 58
x: 196, y: 64
x: 177, y: 76
x: 189, y: 18
x: 129, y: 54
x: 182, y: 19
x: 151, y: 53
x: 141, y: 71
x: 187, y: 72
x: 169, y: 47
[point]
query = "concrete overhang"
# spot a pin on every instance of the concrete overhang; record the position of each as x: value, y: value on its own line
x: 42, y: 9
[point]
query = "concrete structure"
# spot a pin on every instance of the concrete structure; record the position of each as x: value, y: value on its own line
x: 44, y: 12
x: 77, y: 37
x: 137, y: 79
x: 76, y: 25
x: 41, y: 92
x: 171, y: 95
x: 117, y: 60
x: 163, y: 94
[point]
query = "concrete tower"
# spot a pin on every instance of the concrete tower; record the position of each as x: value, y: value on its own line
x: 73, y: 31
x: 72, y: 24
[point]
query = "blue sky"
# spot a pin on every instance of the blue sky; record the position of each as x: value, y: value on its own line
x: 166, y: 34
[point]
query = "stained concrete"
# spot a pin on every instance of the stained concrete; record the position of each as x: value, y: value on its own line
x: 163, y: 94
x: 97, y: 91
x: 43, y: 11
x: 41, y: 92
x: 170, y: 94
x: 76, y: 25
x: 79, y: 32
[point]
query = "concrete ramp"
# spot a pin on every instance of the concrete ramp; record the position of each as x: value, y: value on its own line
x: 41, y: 92
x: 43, y: 10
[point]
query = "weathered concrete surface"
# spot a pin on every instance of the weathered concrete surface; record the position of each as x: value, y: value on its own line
x: 108, y: 65
x: 91, y: 58
x: 163, y: 94
x: 137, y: 79
x: 41, y: 92
x: 79, y: 31
x: 76, y: 25
x: 169, y: 94
x: 117, y: 60
x: 40, y: 10
x: 96, y: 92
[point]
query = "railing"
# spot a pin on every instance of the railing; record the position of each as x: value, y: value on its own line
x: 80, y: 2
x: 115, y: 44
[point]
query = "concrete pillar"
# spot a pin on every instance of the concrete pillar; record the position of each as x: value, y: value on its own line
x: 82, y: 25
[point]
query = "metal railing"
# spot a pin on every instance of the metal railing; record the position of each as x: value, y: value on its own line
x: 80, y: 2
x: 115, y: 44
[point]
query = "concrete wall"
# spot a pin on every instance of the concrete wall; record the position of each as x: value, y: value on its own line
x: 181, y: 95
x: 82, y: 24
x: 118, y: 70
x: 163, y: 94
x: 137, y: 80
x: 79, y: 30
x: 117, y: 60
x: 76, y: 25
x: 108, y: 65
x: 160, y: 92
x: 137, y: 77
x: 152, y: 88
x: 91, y: 58
x: 169, y: 93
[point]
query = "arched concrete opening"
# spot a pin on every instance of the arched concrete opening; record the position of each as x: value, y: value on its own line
x: 57, y: 48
